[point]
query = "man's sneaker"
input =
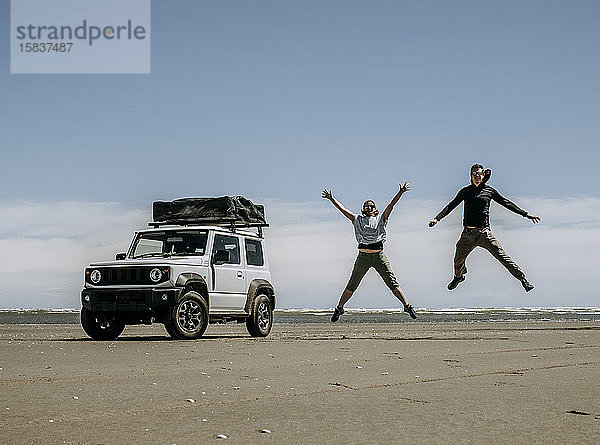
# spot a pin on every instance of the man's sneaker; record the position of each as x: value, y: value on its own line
x: 410, y: 311
x: 526, y: 285
x: 452, y: 284
x: 336, y: 314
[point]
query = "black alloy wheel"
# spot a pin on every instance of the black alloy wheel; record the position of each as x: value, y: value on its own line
x: 260, y: 320
x: 99, y: 327
x: 188, y: 319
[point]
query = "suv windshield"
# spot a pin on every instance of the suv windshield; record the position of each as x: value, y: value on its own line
x: 170, y: 242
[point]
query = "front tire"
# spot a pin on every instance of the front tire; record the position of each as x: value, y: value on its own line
x: 188, y: 319
x: 260, y: 320
x: 100, y: 328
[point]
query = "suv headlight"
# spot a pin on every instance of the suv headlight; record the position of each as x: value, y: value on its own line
x: 95, y: 276
x: 156, y: 275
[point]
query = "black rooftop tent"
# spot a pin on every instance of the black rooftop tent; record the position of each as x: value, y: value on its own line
x: 233, y: 211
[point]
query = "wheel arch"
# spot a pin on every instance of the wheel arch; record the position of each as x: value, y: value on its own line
x: 256, y: 287
x: 192, y: 282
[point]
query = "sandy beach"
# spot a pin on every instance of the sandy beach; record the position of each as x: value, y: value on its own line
x: 493, y: 382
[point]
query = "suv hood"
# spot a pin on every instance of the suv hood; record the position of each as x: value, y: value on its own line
x: 150, y: 261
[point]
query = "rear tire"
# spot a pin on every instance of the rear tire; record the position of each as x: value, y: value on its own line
x: 188, y: 319
x: 100, y: 328
x: 260, y: 320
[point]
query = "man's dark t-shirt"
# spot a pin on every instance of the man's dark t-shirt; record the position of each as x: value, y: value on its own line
x: 477, y: 205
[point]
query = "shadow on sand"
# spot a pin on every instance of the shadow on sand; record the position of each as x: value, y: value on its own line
x: 152, y: 338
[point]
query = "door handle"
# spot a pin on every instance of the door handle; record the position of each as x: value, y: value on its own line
x: 240, y: 274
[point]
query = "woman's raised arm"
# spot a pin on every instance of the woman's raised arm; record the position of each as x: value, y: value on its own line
x: 403, y: 188
x: 327, y: 194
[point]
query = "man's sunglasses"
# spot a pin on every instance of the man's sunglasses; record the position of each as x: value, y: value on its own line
x: 368, y: 206
x: 478, y: 173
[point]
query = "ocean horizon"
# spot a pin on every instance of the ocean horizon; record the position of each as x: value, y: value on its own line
x: 352, y: 315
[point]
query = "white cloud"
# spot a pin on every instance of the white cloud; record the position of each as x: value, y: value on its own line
x: 45, y: 247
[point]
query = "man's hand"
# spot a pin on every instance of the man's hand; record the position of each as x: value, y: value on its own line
x: 405, y: 187
x: 433, y: 222
x: 327, y: 194
x: 533, y: 218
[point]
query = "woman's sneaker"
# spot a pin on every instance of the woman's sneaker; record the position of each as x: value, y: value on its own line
x: 410, y: 311
x: 336, y: 314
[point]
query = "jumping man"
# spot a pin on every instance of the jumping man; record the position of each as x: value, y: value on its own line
x: 369, y: 229
x: 476, y: 222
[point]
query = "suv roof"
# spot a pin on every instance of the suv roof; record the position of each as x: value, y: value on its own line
x: 203, y: 227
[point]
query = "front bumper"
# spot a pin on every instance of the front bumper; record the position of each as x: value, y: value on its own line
x: 141, y: 300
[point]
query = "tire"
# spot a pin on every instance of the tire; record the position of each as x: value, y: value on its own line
x: 260, y: 320
x: 100, y: 328
x: 188, y: 319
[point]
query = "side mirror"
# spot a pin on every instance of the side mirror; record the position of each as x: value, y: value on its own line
x: 121, y: 256
x: 220, y: 257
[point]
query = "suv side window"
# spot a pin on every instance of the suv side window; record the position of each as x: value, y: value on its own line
x: 230, y: 244
x: 254, y: 253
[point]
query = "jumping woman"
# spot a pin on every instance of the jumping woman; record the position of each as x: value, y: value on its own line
x: 476, y: 221
x: 369, y: 229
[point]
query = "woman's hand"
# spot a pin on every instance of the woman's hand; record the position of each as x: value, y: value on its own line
x: 327, y: 195
x: 405, y: 187
x: 533, y: 218
x: 433, y: 222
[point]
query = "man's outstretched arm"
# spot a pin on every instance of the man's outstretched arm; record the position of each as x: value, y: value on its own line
x: 446, y: 210
x: 513, y: 207
x: 327, y: 194
x: 403, y: 188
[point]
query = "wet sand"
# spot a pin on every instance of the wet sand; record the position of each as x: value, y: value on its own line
x: 312, y: 383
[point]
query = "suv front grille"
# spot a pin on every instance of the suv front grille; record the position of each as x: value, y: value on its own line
x: 111, y: 276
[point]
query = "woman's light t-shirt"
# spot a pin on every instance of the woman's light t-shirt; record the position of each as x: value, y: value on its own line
x: 369, y: 229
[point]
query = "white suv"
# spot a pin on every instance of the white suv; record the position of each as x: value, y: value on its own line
x: 182, y: 276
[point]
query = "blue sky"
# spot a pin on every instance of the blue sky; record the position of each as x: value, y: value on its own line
x: 276, y: 100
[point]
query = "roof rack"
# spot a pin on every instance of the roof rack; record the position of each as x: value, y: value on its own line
x: 229, y: 223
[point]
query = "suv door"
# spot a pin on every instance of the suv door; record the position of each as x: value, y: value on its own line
x: 229, y: 278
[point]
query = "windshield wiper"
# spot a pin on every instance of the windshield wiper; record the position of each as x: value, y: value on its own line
x: 152, y: 254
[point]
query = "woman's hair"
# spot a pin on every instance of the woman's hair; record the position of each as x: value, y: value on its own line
x: 486, y: 173
x: 369, y: 201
